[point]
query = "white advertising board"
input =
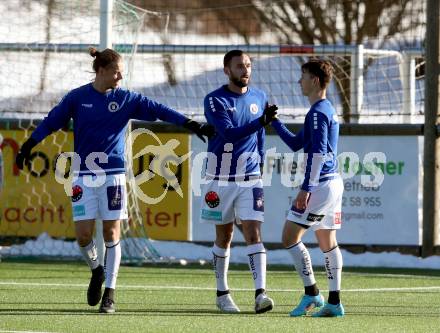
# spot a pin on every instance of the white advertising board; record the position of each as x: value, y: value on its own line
x: 381, y: 181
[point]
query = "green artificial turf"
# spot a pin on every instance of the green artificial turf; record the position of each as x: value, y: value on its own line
x: 51, y: 297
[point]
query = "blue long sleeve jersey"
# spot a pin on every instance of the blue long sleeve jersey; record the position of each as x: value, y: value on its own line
x: 239, y: 143
x: 100, y: 122
x: 319, y: 138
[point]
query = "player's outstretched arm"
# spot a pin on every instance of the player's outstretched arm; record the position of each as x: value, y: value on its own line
x: 317, y: 156
x: 295, y: 142
x: 199, y: 129
x: 216, y: 114
x: 57, y: 118
x: 149, y: 110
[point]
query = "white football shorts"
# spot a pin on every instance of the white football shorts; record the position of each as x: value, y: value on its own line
x: 105, y: 202
x: 224, y: 203
x: 324, y: 207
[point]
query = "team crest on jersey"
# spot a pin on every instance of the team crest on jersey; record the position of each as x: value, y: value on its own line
x: 77, y: 193
x: 253, y: 108
x: 113, y: 106
x: 212, y: 199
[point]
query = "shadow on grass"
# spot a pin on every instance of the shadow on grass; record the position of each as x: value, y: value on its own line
x: 399, y: 314
x: 122, y: 312
x: 127, y: 308
x: 166, y: 268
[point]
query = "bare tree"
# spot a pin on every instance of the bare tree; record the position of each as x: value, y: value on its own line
x: 49, y: 16
x: 372, y: 22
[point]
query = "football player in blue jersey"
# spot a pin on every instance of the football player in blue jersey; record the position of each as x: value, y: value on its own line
x: 318, y: 203
x: 101, y: 111
x: 234, y: 188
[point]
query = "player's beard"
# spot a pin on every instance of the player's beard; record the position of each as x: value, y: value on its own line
x: 237, y: 81
x: 114, y: 85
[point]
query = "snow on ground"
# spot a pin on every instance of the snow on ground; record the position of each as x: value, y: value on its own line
x: 45, y: 246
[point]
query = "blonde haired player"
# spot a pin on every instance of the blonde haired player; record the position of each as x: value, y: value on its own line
x: 101, y: 111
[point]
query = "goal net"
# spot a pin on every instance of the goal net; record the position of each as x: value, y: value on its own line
x: 44, y: 55
x: 174, y: 53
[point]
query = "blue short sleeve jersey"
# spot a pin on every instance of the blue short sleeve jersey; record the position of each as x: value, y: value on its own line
x: 319, y: 138
x: 239, y: 143
x: 100, y: 122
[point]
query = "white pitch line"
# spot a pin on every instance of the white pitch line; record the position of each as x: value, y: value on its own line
x: 2, y: 331
x: 151, y: 287
x: 391, y: 275
x: 385, y: 275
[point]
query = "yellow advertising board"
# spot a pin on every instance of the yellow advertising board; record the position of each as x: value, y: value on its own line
x: 33, y: 202
x: 169, y: 218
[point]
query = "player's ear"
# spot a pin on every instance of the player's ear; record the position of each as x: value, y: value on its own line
x: 100, y: 70
x: 227, y: 71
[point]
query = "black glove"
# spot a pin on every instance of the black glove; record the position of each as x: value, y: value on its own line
x: 25, y: 152
x: 261, y: 169
x: 269, y: 114
x: 200, y: 129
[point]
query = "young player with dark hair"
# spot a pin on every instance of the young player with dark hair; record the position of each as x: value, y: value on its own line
x: 101, y: 111
x: 318, y: 203
x: 235, y: 189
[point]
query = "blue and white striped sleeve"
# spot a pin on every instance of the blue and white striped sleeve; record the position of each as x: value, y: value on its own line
x: 261, y: 135
x: 295, y: 142
x: 318, y: 125
x: 216, y: 115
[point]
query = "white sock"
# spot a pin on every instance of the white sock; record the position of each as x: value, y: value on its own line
x: 220, y: 262
x: 90, y: 254
x: 303, y: 263
x: 333, y: 267
x: 112, y: 262
x: 257, y: 264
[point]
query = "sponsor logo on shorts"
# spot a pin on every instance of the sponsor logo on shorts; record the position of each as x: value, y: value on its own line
x: 338, y: 218
x: 212, y: 199
x: 258, y: 199
x: 114, y: 197
x: 77, y: 193
x: 314, y: 217
x: 211, y: 215
x: 79, y: 210
x: 296, y: 211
